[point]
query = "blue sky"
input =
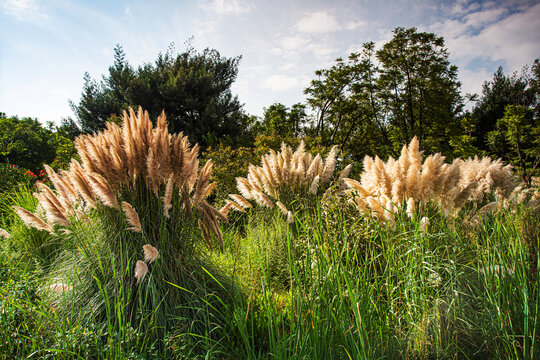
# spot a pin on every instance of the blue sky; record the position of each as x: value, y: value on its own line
x: 46, y: 46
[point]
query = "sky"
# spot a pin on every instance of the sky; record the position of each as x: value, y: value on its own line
x: 47, y: 46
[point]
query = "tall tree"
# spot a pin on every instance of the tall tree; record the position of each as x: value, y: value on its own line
x: 278, y: 119
x: 193, y: 88
x: 370, y: 108
x: 420, y: 89
x: 497, y: 94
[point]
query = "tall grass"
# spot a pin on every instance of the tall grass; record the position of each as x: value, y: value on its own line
x: 117, y: 261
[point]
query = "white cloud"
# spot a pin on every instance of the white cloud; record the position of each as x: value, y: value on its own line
x: 280, y: 82
x: 228, y: 7
x: 22, y: 9
x: 513, y: 40
x: 318, y: 23
x: 353, y: 25
x: 479, y: 19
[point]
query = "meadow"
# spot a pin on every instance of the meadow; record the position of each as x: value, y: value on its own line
x: 127, y: 255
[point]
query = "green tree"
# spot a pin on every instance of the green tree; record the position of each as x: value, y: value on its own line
x: 278, y: 119
x: 497, y: 94
x: 374, y: 109
x: 516, y: 138
x: 26, y: 143
x: 193, y: 88
x: 419, y: 89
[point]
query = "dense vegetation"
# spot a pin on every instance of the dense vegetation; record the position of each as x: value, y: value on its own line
x: 375, y: 227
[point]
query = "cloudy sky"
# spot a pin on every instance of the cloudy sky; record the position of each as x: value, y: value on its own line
x: 46, y: 46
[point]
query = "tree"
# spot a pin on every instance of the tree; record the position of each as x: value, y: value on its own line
x: 420, y: 89
x: 370, y: 108
x: 517, y: 140
x: 193, y: 88
x: 25, y: 143
x: 497, y: 94
x: 278, y: 119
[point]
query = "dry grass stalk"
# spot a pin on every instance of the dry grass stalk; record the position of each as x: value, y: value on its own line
x: 132, y: 217
x: 411, y: 181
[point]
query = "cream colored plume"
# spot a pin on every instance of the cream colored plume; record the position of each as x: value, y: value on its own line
x: 32, y: 220
x: 132, y: 217
x: 297, y: 171
x: 409, y: 181
x: 4, y: 234
x: 140, y: 270
x: 150, y: 253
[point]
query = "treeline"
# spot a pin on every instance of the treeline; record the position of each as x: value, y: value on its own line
x: 371, y: 102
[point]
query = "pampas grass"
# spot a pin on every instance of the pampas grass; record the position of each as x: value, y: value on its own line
x: 408, y: 181
x: 120, y: 158
x: 150, y: 253
x: 286, y: 177
x: 132, y: 217
x: 4, y: 234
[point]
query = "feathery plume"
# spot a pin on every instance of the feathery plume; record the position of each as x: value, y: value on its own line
x: 140, y: 270
x: 424, y: 224
x: 290, y: 217
x: 168, y: 196
x: 132, y: 217
x: 150, y: 253
x: 314, y: 185
x: 32, y: 220
x: 103, y: 190
x: 240, y: 201
x: 4, y: 234
x: 282, y: 207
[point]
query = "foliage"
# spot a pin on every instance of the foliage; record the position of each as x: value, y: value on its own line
x: 228, y: 164
x: 12, y: 176
x: 193, y: 88
x: 503, y: 90
x: 26, y: 142
x: 279, y: 120
x: 517, y: 138
x: 371, y: 109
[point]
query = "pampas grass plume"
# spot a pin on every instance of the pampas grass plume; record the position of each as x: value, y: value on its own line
x: 132, y: 217
x: 150, y: 253
x: 32, y: 220
x: 4, y: 234
x: 424, y: 224
x: 140, y: 270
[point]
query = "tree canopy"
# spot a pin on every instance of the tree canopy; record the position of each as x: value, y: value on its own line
x: 370, y: 108
x: 26, y: 143
x: 193, y: 88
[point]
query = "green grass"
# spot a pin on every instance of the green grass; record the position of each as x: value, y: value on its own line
x: 332, y: 285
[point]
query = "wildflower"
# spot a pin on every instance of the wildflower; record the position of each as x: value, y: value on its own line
x: 150, y: 253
